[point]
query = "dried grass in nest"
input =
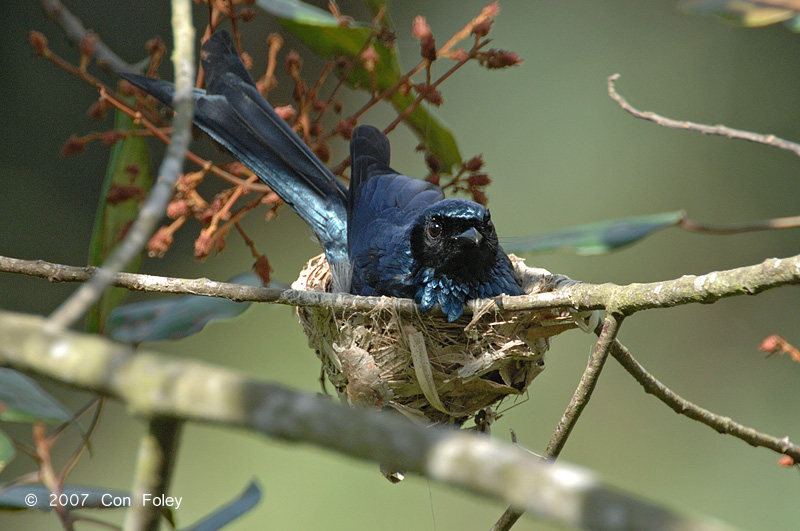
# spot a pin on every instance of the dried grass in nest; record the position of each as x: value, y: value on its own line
x: 423, y: 366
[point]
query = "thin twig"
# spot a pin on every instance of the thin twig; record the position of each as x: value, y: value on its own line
x: 84, y: 444
x: 680, y: 405
x: 156, y: 204
x: 76, y: 32
x: 607, y: 335
x: 586, y: 387
x: 789, y: 222
x: 722, y: 130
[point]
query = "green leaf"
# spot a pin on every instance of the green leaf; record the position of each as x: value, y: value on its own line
x: 595, y: 238
x: 22, y: 400
x: 230, y: 512
x: 37, y: 497
x: 174, y: 317
x: 123, y: 191
x: 298, y: 11
x: 793, y: 23
x: 743, y: 12
x: 7, y: 450
x: 329, y: 40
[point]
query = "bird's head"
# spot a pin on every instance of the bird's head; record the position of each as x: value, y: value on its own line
x: 456, y: 238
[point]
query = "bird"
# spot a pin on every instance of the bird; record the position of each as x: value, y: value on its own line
x: 387, y: 233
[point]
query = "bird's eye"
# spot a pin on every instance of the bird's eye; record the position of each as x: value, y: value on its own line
x: 434, y: 229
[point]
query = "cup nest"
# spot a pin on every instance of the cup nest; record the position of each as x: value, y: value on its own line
x: 423, y: 366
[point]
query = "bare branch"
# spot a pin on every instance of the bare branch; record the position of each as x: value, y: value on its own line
x: 210, y: 288
x: 688, y: 289
x: 680, y: 405
x: 769, y: 140
x: 583, y: 393
x: 589, y: 379
x: 625, y: 300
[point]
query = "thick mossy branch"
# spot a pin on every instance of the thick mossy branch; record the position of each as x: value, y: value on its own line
x: 155, y: 385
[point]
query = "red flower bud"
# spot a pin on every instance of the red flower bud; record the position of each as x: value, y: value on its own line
x: 287, y: 112
x: 478, y: 179
x: 203, y: 245
x: 293, y: 63
x: 73, y: 146
x: 481, y: 29
x: 87, y: 44
x: 38, y: 42
x: 262, y: 269
x: 160, y: 243
x: 474, y: 164
x: 420, y: 28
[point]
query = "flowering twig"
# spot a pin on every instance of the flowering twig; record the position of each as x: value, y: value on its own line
x: 207, y: 165
x: 155, y: 205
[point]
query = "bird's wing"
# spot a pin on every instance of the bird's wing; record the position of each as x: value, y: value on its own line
x: 374, y: 186
x: 383, y: 205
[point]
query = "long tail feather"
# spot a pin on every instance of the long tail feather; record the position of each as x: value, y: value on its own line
x: 233, y: 112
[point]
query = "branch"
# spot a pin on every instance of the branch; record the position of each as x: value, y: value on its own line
x: 156, y: 204
x: 155, y: 464
x: 154, y: 385
x: 209, y: 288
x: 688, y: 289
x: 579, y: 401
x: 76, y: 32
x: 769, y: 140
x: 789, y: 222
x: 625, y: 300
x: 586, y: 387
x: 680, y: 405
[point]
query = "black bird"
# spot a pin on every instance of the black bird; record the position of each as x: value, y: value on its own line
x: 388, y: 234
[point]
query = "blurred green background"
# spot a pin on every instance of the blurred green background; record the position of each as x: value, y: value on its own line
x: 561, y: 153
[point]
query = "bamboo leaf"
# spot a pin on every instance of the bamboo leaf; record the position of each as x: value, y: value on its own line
x: 231, y: 511
x: 23, y: 400
x: 7, y: 450
x: 174, y: 317
x: 745, y: 12
x: 595, y: 238
x: 127, y: 183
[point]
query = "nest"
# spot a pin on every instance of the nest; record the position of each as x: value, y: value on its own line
x: 423, y: 366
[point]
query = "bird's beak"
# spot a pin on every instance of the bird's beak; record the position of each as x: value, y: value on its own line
x: 469, y: 236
